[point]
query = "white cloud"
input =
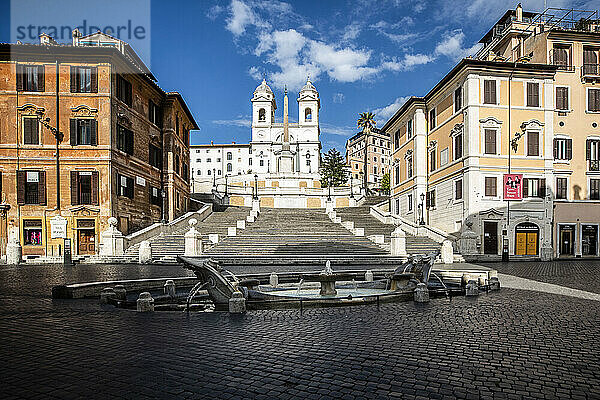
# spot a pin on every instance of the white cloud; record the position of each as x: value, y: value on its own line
x: 214, y: 12
x: 408, y: 62
x: 255, y: 73
x: 452, y: 46
x: 351, y: 32
x: 344, y: 65
x: 241, y: 17
x: 244, y: 122
x: 384, y: 113
x: 338, y: 98
x: 337, y: 130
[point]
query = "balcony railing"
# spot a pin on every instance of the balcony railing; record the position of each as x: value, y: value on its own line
x: 594, y: 165
x: 590, y: 70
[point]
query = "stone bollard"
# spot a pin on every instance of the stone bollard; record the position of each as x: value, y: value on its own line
x: 494, y: 283
x: 112, y: 240
x: 120, y: 292
x: 169, y: 288
x: 358, y: 231
x: 398, y: 242
x: 241, y: 224
x: 193, y: 239
x: 250, y: 218
x: 107, y: 293
x: 237, y: 303
x: 145, y: 254
x: 369, y: 276
x: 254, y: 214
x: 232, y: 231
x: 328, y: 207
x: 421, y: 294
x: 213, y: 238
x: 256, y: 206
x: 145, y: 303
x: 332, y: 214
x: 472, y: 289
x: 348, y: 225
x: 13, y: 252
x: 379, y: 239
x: 337, y: 220
x: 274, y: 279
x: 447, y: 252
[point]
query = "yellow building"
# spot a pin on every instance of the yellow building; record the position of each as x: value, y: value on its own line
x: 531, y: 84
x: 369, y: 151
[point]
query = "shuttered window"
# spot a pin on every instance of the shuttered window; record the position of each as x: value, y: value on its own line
x: 432, y: 160
x: 84, y: 131
x: 593, y: 97
x: 432, y: 119
x: 397, y: 174
x: 409, y: 129
x: 561, y: 188
x: 458, y: 189
x: 560, y: 57
x: 458, y: 146
x: 594, y: 189
x: 30, y: 78
x: 533, y: 94
x: 457, y: 99
x: 533, y: 143
x: 534, y: 187
x: 430, y: 199
x: 155, y: 156
x: 125, y: 139
x: 84, y: 187
x: 563, y: 149
x: 562, y: 98
x: 490, y: 186
x: 31, y: 134
x: 590, y: 61
x: 155, y: 198
x: 84, y: 80
x: 124, y: 90
x: 31, y: 187
x: 490, y: 141
x: 489, y: 92
x: 125, y: 186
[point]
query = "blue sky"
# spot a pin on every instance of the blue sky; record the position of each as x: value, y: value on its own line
x: 361, y: 55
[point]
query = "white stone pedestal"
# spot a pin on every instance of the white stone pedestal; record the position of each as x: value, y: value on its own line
x: 13, y: 253
x: 232, y: 231
x: 447, y: 252
x: 256, y: 206
x: 241, y: 224
x: 214, y: 238
x: 398, y: 242
x: 193, y: 240
x: 145, y: 253
x: 112, y: 240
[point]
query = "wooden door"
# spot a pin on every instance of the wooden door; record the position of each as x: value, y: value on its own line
x: 521, y: 244
x: 86, y: 241
x: 566, y: 241
x: 532, y: 238
x: 490, y: 237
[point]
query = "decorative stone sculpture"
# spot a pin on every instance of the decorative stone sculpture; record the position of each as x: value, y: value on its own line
x: 169, y: 288
x: 145, y: 253
x: 447, y: 252
x: 472, y: 289
x: 274, y: 279
x: 107, y: 293
x: 398, y: 242
x: 421, y: 294
x: 111, y: 240
x: 369, y: 276
x: 237, y: 303
x: 120, y: 292
x: 145, y: 303
x: 193, y: 240
x: 468, y: 240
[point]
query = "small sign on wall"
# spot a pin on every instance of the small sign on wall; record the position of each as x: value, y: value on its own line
x: 513, y: 186
x: 140, y: 181
x: 58, y: 227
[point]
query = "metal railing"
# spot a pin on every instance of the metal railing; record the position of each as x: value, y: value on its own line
x: 590, y: 70
x: 594, y: 165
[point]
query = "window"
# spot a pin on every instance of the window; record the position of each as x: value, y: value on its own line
x: 397, y: 174
x: 594, y: 189
x: 208, y: 172
x: 561, y: 188
x: 458, y: 146
x: 153, y: 113
x: 592, y: 154
x: 397, y: 206
x: 410, y: 202
x: 374, y: 169
x: 31, y: 133
x: 374, y: 159
x: 308, y: 115
x: 155, y: 198
x: 457, y: 99
x: 590, y: 61
x: 155, y: 156
x: 84, y: 187
x: 208, y: 160
x: 185, y: 171
x: 218, y: 159
x: 593, y: 100
x: 262, y: 117
x: 177, y: 163
x: 490, y: 186
x: 125, y: 186
x: 30, y: 78
x: 444, y: 157
x: 219, y: 171
x: 125, y: 139
x: 396, y: 139
x: 409, y: 167
x: 84, y: 80
x: 31, y: 187
x: 489, y: 92
x: 229, y: 156
x: 123, y: 90
x: 432, y: 119
x: 32, y: 232
x: 563, y: 149
x: 409, y: 129
x: 430, y: 199
x: 562, y: 98
x: 308, y: 163
x: 533, y: 143
x: 490, y: 141
x: 432, y: 160
x: 262, y: 163
x: 229, y: 167
x: 458, y: 189
x: 534, y: 187
x: 533, y: 94
x: 84, y: 131
x: 561, y: 56
x: 250, y: 161
x: 198, y: 172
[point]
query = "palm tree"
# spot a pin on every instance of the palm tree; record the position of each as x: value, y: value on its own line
x: 366, y: 121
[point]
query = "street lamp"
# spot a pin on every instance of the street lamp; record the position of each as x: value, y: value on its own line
x: 215, y: 178
x: 226, y: 176
x: 422, y: 209
x: 351, y: 192
x: 255, y: 187
x: 329, y: 189
x: 59, y: 136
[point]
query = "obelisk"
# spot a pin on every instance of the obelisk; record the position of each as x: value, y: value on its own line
x: 286, y: 157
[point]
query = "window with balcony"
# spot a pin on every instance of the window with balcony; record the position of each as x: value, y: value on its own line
x: 563, y: 149
x: 592, y: 154
x: 590, y: 61
x: 561, y: 56
x: 561, y: 188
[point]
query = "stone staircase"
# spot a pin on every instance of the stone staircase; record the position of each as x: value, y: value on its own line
x: 294, y: 232
x: 372, y: 226
x: 165, y: 248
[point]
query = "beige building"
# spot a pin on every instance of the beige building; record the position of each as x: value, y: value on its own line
x: 370, y: 151
x: 532, y: 85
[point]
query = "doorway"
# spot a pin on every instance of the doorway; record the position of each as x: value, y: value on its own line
x: 86, y: 236
x: 589, y: 240
x: 490, y: 237
x: 566, y: 237
x: 526, y: 239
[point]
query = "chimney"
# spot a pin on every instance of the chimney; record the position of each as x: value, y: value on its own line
x: 519, y: 13
x: 76, y: 34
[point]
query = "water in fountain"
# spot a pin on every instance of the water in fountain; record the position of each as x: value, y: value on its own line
x: 354, y: 285
x: 328, y: 270
x: 299, y: 286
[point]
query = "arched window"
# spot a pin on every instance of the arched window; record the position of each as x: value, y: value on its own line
x: 229, y: 167
x: 262, y: 116
x: 229, y: 156
x: 308, y: 114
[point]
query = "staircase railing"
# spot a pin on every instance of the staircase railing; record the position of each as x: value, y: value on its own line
x: 408, y: 226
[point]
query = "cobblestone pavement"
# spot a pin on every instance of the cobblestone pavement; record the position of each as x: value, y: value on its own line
x: 576, y: 274
x: 506, y: 344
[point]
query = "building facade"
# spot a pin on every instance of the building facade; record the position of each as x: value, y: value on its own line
x: 211, y: 162
x: 122, y: 148
x: 373, y: 149
x: 526, y: 105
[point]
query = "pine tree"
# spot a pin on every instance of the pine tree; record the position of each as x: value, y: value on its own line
x: 333, y: 169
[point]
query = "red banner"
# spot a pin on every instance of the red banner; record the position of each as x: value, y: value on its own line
x: 513, y: 186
